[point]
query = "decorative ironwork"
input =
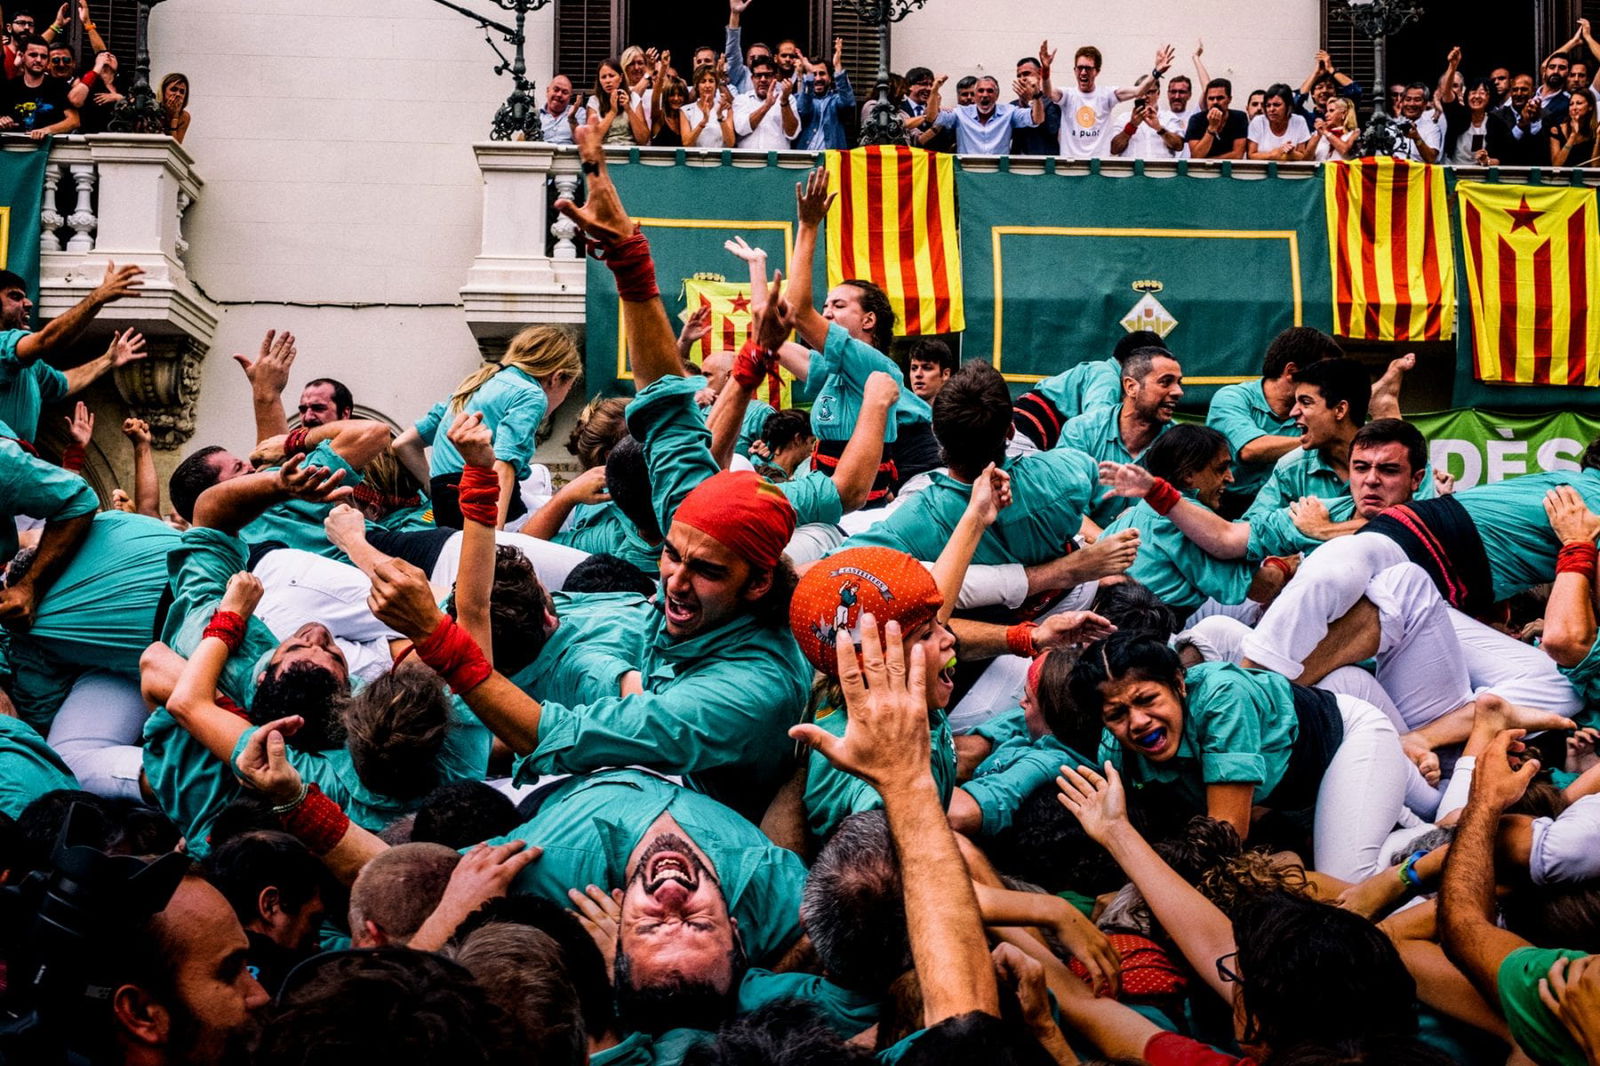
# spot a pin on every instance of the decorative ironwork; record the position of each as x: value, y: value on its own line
x: 1378, y: 19
x: 518, y: 117
x: 885, y: 125
x: 140, y: 111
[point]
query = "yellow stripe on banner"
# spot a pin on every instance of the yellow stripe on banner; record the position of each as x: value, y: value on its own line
x: 860, y: 234
x: 945, y: 174
x: 1354, y: 247
x: 834, y: 227
x: 1444, y: 250
x: 1525, y: 312
x: 1591, y: 258
x: 1560, y: 323
x: 1382, y: 250
x: 927, y: 319
x: 893, y: 283
x: 1418, y: 244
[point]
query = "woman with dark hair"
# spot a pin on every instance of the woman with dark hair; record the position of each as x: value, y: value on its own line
x: 623, y: 123
x: 1298, y: 974
x: 707, y: 121
x: 175, y: 105
x: 1279, y: 132
x: 1572, y: 143
x: 1222, y: 740
x: 1471, y: 137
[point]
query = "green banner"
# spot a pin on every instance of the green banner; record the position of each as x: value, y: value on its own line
x: 688, y: 212
x: 1056, y: 268
x: 1481, y: 446
x: 21, y: 185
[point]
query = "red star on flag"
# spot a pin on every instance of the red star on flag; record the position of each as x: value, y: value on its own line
x: 1522, y: 217
x: 741, y: 303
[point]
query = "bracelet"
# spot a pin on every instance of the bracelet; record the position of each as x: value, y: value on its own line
x: 1408, y: 870
x: 1162, y: 497
x: 630, y: 262
x: 1277, y: 564
x: 228, y: 627
x: 454, y: 656
x: 74, y: 457
x: 1580, y: 557
x: 1129, y: 128
x: 478, y: 495
x: 294, y: 443
x: 752, y: 365
x: 284, y: 808
x: 590, y: 167
x: 1155, y: 72
x: 1019, y: 639
x: 90, y: 26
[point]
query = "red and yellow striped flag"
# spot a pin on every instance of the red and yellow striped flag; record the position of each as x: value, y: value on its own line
x: 731, y: 318
x: 894, y: 224
x: 1394, y: 275
x: 1531, y: 266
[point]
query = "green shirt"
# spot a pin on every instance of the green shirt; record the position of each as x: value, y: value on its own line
x: 602, y: 527
x: 512, y: 403
x: 814, y: 497
x: 1085, y: 387
x: 1305, y: 472
x: 28, y: 767
x: 30, y: 486
x: 1240, y: 728
x: 1018, y: 766
x: 588, y: 826
x: 298, y: 523
x: 836, y: 383
x: 1241, y: 413
x: 26, y: 387
x: 100, y: 613
x: 1515, y: 530
x: 848, y: 1013
x: 1051, y: 491
x: 1274, y: 532
x: 831, y: 795
x: 599, y: 636
x: 1098, y: 433
x: 1533, y: 1027
x: 1177, y: 569
x: 1585, y: 677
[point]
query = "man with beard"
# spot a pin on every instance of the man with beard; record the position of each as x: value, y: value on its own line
x: 1152, y: 385
x: 35, y: 103
x: 986, y: 127
x: 322, y: 401
x: 27, y: 382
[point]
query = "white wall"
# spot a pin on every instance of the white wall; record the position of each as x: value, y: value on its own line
x: 1252, y: 45
x: 334, y: 143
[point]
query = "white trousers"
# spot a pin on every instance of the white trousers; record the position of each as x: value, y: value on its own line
x: 1362, y: 796
x: 97, y: 733
x: 553, y: 562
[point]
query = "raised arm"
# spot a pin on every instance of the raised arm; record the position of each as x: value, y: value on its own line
x: 750, y: 368
x: 146, y: 486
x: 812, y: 201
x: 1164, y: 56
x: 1569, y: 616
x: 991, y: 494
x: 268, y: 377
x: 123, y: 349
x: 193, y: 701
x: 1446, y: 92
x: 858, y: 463
x: 475, y: 577
x: 1201, y: 77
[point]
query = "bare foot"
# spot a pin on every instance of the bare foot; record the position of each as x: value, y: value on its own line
x: 1105, y: 557
x: 1491, y: 715
x: 1385, y: 402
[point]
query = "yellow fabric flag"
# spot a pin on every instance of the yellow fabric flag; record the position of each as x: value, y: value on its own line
x: 1394, y: 274
x: 731, y: 320
x: 894, y: 224
x: 1531, y: 268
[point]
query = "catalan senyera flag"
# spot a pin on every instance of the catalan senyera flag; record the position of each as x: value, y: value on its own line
x: 1532, y: 255
x: 1393, y: 267
x: 731, y: 320
x: 894, y: 224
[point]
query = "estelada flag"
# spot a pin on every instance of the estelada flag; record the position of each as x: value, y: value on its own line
x: 1531, y: 268
x: 1394, y: 276
x: 731, y: 319
x: 894, y: 224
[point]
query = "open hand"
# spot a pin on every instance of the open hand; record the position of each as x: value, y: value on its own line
x: 80, y: 427
x: 1069, y: 628
x: 1570, y: 518
x: 1098, y: 803
x: 117, y: 283
x: 600, y: 914
x: 602, y: 217
x: 318, y: 484
x: 1126, y: 479
x: 812, y: 198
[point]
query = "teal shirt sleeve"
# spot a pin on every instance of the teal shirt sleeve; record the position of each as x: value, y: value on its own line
x: 814, y: 497
x: 516, y: 426
x: 1274, y: 532
x: 1533, y: 1027
x: 28, y: 767
x: 33, y: 487
x: 191, y: 785
x: 428, y: 425
x: 1001, y: 791
x: 1279, y: 491
x: 198, y: 570
x: 1230, y: 738
x: 1102, y: 387
x: 676, y: 442
x: 298, y: 523
x: 1229, y: 414
x: 1009, y: 725
x: 1585, y: 676
x: 755, y: 422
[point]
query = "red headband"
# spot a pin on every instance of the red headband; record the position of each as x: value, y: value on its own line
x: 742, y: 511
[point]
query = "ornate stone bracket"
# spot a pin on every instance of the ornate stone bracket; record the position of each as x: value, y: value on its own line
x: 162, y: 388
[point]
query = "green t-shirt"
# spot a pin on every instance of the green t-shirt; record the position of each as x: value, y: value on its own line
x: 1018, y: 766
x: 1089, y: 385
x: 1533, y: 1027
x: 1098, y: 434
x: 836, y: 383
x: 1177, y: 569
x: 25, y: 388
x: 30, y: 486
x: 589, y: 825
x: 602, y: 528
x: 28, y: 767
x: 1274, y: 532
x: 831, y: 795
x: 512, y: 403
x: 847, y: 1013
x: 1515, y: 530
x: 1241, y: 413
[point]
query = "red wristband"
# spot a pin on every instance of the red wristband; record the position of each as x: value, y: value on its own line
x: 629, y: 261
x: 90, y: 78
x: 1162, y: 497
x: 316, y: 821
x: 1278, y: 564
x: 1579, y: 558
x: 295, y: 442
x: 753, y: 364
x: 1019, y: 638
x: 74, y: 457
x: 479, y: 496
x: 227, y: 627
x: 454, y: 656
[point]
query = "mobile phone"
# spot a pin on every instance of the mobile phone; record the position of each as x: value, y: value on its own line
x: 1477, y: 142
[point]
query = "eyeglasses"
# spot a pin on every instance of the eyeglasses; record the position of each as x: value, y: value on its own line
x: 1225, y: 972
x: 61, y: 61
x: 1084, y: 67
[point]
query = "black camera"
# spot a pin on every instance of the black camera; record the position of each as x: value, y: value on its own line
x: 58, y: 929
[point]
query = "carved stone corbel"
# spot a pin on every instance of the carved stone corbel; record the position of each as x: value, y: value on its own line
x: 162, y: 388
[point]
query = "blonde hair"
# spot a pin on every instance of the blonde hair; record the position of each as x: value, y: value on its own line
x: 1349, y: 112
x: 538, y: 351
x: 629, y: 54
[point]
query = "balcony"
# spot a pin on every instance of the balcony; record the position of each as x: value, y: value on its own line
x: 122, y: 198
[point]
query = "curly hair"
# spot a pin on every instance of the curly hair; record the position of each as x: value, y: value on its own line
x: 315, y: 694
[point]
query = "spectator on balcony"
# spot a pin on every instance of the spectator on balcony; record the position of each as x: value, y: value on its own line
x: 739, y: 61
x: 1396, y: 91
x: 1422, y: 138
x: 985, y: 127
x: 1180, y: 99
x: 56, y: 29
x: 824, y: 97
x: 1500, y: 79
x: 95, y: 115
x: 1219, y: 132
x: 1086, y: 108
x: 708, y: 121
x: 791, y: 61
x: 18, y: 33
x: 1524, y: 122
x: 1572, y: 140
x: 638, y: 70
x: 1472, y: 137
x: 1149, y: 133
x: 1043, y: 138
x: 944, y: 140
x: 35, y: 103
x: 1252, y: 104
x: 1280, y: 132
x: 766, y: 118
x: 175, y: 105
x: 1553, y: 95
x: 623, y: 124
x: 669, y: 96
x: 1323, y: 84
x: 919, y: 90
x: 559, y: 113
x: 1339, y: 130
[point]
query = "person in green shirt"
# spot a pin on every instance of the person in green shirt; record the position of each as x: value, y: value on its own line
x: 1152, y: 385
x: 1040, y: 413
x: 28, y: 767
x: 30, y: 486
x: 1221, y: 740
x: 1257, y: 417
